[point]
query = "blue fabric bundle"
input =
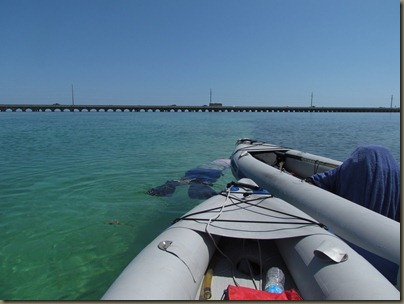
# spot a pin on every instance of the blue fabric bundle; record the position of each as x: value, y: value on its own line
x: 199, y: 180
x: 370, y: 177
x: 203, y: 175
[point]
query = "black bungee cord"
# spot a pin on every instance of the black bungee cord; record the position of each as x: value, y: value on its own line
x: 239, y: 201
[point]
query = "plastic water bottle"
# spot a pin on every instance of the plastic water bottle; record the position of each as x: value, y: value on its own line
x: 275, y: 280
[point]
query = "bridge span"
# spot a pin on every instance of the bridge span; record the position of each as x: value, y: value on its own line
x: 175, y: 108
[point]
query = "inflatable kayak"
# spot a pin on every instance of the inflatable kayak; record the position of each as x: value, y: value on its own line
x: 223, y: 248
x: 285, y: 171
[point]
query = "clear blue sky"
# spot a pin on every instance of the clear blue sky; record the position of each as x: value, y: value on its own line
x: 250, y: 52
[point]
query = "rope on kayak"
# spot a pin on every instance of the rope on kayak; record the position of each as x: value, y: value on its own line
x: 190, y: 217
x: 215, y: 218
x: 187, y: 217
x: 235, y: 201
x: 248, y: 202
x: 249, y: 264
x: 260, y: 260
x: 227, y: 195
x: 213, y: 240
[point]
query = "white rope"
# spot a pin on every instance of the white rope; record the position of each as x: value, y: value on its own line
x: 213, y: 218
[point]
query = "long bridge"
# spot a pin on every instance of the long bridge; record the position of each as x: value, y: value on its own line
x: 175, y: 108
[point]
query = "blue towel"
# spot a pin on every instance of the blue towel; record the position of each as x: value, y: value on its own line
x: 370, y: 177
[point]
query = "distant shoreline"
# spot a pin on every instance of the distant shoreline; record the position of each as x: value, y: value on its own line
x: 175, y: 108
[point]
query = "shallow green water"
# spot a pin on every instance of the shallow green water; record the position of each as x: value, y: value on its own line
x: 66, y: 176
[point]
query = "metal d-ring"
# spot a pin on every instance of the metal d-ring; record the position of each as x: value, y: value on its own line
x: 164, y: 245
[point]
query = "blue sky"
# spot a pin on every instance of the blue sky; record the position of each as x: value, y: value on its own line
x: 250, y: 52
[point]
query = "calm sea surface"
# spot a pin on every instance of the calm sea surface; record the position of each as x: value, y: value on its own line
x: 66, y: 176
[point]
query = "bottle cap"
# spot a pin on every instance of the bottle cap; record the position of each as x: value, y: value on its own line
x: 274, y: 289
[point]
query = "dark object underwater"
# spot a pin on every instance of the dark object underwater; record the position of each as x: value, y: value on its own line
x: 199, y: 180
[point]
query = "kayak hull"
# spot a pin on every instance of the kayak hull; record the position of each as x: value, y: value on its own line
x: 239, y: 249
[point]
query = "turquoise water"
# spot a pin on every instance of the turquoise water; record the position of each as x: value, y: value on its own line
x: 66, y: 176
